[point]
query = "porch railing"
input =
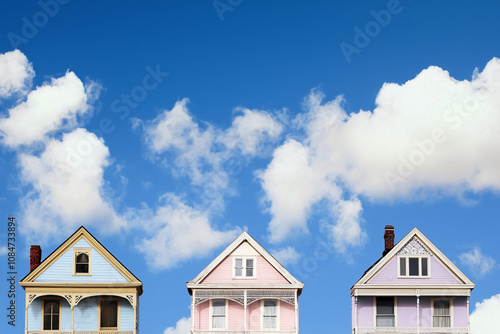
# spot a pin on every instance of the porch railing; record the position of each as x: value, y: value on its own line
x: 80, y: 332
x: 242, y: 332
x: 412, y: 330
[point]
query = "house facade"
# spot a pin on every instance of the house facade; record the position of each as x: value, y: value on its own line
x: 244, y: 291
x: 80, y: 288
x: 412, y: 288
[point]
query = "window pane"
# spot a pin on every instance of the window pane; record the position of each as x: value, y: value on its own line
x: 218, y: 313
x: 413, y: 266
x: 109, y: 313
x: 441, y: 307
x: 385, y: 321
x: 249, y: 269
x: 385, y: 305
x: 239, y: 263
x: 270, y: 314
x: 238, y: 267
x: 424, y: 266
x: 82, y: 263
x: 402, y: 266
x: 51, y: 314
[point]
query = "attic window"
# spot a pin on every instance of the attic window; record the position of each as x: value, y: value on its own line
x: 244, y: 268
x: 82, y: 261
x: 413, y: 266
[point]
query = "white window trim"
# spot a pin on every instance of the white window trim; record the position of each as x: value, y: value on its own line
x: 87, y: 251
x: 451, y: 310
x: 60, y: 310
x: 407, y: 258
x: 395, y: 311
x: 210, y: 310
x: 245, y: 258
x: 278, y: 309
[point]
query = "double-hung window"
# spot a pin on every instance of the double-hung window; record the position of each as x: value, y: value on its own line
x: 441, y: 315
x: 385, y: 312
x: 244, y: 268
x: 270, y: 314
x: 82, y: 261
x: 51, y: 313
x: 413, y: 266
x: 218, y: 314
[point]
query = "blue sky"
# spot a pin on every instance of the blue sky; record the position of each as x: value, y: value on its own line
x: 167, y: 127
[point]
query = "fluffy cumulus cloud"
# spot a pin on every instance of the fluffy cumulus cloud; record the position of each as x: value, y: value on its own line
x: 208, y: 155
x: 178, y: 232
x: 53, y: 106
x: 431, y: 135
x: 67, y: 186
x: 183, y: 326
x: 16, y: 74
x: 477, y: 262
x: 286, y: 256
x: 485, y: 319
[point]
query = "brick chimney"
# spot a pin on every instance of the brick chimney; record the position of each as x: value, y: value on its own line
x: 388, y: 239
x: 35, y: 256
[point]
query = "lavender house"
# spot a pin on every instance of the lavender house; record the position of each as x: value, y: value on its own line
x: 412, y: 288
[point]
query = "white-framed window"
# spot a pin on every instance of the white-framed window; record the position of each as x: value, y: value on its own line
x: 244, y: 267
x: 109, y: 313
x: 385, y: 311
x: 82, y: 261
x: 270, y: 314
x: 414, y: 266
x: 218, y: 314
x: 51, y: 317
x: 441, y: 312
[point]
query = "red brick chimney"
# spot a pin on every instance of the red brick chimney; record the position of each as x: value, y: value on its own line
x: 388, y: 238
x: 35, y: 256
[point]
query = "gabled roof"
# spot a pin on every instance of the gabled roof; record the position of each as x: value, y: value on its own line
x: 244, y: 236
x: 81, y: 233
x: 415, y: 233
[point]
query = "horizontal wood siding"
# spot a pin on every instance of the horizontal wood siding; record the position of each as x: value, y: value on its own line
x: 236, y: 316
x: 202, y: 315
x: 126, y: 315
x: 265, y: 273
x: 365, y: 312
x: 425, y: 312
x: 460, y: 316
x: 389, y: 275
x: 35, y: 315
x: 62, y: 269
x: 406, y: 312
x: 254, y: 316
x: 287, y: 316
x: 86, y: 315
x: 65, y: 315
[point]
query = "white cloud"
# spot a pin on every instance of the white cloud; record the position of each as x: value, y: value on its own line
x: 53, y: 106
x: 485, y: 319
x: 477, y: 262
x: 183, y: 326
x: 250, y: 131
x: 204, y: 152
x: 286, y: 256
x: 67, y: 181
x: 16, y: 74
x: 431, y: 135
x: 178, y: 233
x: 3, y: 250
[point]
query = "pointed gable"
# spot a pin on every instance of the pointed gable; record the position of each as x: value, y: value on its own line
x: 266, y: 269
x: 59, y: 267
x: 393, y: 268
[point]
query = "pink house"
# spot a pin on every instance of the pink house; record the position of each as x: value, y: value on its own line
x: 412, y: 288
x: 244, y: 291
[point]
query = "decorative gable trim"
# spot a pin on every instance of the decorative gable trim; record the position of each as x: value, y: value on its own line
x: 81, y: 233
x: 231, y: 248
x: 414, y: 242
x: 414, y: 247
